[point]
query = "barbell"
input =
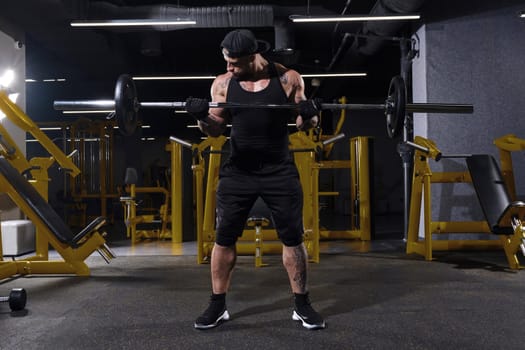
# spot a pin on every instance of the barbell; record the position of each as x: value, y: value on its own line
x: 127, y: 106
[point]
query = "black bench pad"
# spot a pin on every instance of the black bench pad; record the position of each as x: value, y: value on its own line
x: 41, y: 207
x: 492, y: 192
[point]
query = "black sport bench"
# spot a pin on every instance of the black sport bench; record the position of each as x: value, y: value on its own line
x: 45, y: 212
x: 502, y: 214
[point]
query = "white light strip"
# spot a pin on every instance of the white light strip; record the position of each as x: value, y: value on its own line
x: 61, y: 80
x: 522, y: 14
x: 142, y: 126
x: 89, y: 112
x: 333, y: 75
x: 356, y: 18
x: 167, y: 77
x: 132, y: 23
x: 51, y: 128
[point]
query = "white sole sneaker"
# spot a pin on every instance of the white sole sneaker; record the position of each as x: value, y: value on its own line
x: 225, y: 316
x: 297, y: 317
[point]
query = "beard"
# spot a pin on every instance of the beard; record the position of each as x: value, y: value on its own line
x: 241, y: 76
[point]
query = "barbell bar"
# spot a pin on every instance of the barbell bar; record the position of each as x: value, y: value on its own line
x: 94, y: 105
x: 127, y: 106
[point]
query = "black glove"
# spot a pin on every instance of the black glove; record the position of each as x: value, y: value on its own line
x: 309, y: 108
x: 197, y: 107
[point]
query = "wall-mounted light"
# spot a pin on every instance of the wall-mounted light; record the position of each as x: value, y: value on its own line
x: 133, y: 22
x: 522, y: 14
x: 351, y: 18
x: 7, y: 78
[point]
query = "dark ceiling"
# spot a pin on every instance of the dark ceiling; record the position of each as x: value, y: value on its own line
x: 56, y: 50
x: 92, y: 59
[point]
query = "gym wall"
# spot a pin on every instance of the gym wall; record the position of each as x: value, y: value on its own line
x: 13, y: 57
x: 477, y: 59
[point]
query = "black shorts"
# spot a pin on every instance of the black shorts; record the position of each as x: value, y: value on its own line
x: 278, y: 186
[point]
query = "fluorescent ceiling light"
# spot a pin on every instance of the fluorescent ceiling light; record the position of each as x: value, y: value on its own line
x: 522, y: 14
x: 51, y: 128
x: 132, y: 22
x: 167, y: 77
x: 333, y: 75
x: 352, y: 18
x: 142, y: 126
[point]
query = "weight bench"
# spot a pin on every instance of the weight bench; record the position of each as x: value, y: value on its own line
x: 71, y: 246
x: 503, y: 215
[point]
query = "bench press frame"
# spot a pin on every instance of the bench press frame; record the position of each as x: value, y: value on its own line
x: 420, y: 204
x: 37, y: 167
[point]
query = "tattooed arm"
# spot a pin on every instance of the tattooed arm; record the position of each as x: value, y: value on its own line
x: 293, y: 85
x: 215, y: 124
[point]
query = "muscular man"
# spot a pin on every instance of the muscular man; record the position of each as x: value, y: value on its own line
x: 260, y: 165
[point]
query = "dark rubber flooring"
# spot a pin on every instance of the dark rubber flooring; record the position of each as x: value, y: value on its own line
x: 381, y: 299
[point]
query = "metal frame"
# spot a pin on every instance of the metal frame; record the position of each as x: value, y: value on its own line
x: 421, y: 199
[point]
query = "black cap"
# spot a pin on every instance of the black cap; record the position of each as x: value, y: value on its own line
x: 242, y: 42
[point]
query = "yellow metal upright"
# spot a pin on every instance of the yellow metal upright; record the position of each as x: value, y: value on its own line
x: 507, y: 144
x: 176, y: 192
x: 421, y: 207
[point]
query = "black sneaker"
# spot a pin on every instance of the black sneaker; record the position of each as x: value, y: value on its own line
x: 212, y: 316
x: 308, y: 316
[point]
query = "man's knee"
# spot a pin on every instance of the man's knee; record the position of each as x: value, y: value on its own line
x: 226, y: 241
x: 292, y: 241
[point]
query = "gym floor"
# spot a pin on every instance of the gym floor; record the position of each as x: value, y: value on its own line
x: 149, y: 296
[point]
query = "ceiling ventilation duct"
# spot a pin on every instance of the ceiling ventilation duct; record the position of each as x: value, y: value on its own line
x: 376, y: 31
x: 206, y: 17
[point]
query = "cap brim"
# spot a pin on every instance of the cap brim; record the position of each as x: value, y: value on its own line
x: 262, y: 46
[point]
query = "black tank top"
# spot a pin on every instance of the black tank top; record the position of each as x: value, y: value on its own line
x: 259, y: 136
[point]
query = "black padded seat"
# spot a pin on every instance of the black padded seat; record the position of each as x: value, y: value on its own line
x: 41, y: 207
x: 492, y: 193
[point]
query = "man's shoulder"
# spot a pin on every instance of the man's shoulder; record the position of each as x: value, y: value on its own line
x: 223, y: 77
x: 221, y: 81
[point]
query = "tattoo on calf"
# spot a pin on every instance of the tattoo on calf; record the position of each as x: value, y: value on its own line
x: 300, y: 267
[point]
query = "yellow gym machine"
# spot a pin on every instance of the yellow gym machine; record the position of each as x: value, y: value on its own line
x: 503, y: 216
x: 31, y: 197
x: 94, y: 142
x: 148, y: 216
x: 307, y: 155
x: 507, y: 144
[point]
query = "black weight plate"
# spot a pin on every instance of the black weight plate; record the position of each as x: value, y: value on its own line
x: 396, y: 106
x: 126, y: 105
x: 17, y: 299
